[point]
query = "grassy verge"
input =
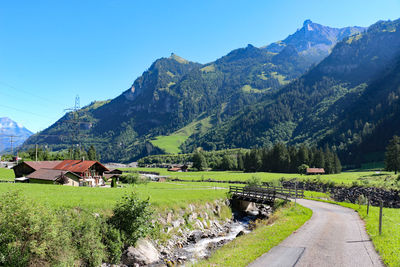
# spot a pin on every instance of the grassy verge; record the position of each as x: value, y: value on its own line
x: 6, y: 174
x: 245, y: 249
x: 162, y: 195
x: 387, y: 244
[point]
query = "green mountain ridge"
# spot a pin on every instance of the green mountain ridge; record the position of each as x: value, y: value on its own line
x: 343, y: 101
x: 174, y: 93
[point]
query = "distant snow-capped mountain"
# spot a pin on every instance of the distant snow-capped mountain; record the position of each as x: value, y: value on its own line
x: 9, y: 128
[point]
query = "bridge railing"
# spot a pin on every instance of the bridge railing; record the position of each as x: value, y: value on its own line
x: 266, y: 192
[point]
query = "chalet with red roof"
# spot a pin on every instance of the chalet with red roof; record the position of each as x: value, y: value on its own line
x: 66, y: 172
x: 311, y: 171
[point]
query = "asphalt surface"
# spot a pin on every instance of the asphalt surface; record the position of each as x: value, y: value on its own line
x: 334, y: 236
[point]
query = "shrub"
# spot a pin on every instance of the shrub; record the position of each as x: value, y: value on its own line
x: 85, y: 236
x: 29, y: 234
x: 129, y: 178
x: 111, y: 238
x: 132, y: 217
x: 113, y: 182
x: 254, y: 181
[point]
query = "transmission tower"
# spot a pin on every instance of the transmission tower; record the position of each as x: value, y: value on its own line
x: 73, y: 123
x: 12, y: 140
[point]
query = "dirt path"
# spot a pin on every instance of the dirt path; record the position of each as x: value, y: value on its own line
x: 334, y: 236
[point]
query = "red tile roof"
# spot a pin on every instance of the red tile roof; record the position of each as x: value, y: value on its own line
x: 315, y: 170
x: 77, y: 166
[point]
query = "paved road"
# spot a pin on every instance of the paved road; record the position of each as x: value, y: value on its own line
x: 334, y: 236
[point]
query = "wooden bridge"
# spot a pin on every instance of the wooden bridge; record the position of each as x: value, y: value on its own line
x: 264, y: 194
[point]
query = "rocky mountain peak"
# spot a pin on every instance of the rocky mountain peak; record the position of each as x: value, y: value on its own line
x: 307, y: 22
x: 10, y: 127
x: 178, y: 58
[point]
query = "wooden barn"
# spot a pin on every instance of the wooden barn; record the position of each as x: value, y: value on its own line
x: 314, y: 171
x: 27, y: 167
x: 51, y: 176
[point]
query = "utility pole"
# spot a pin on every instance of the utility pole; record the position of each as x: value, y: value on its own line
x: 36, y: 150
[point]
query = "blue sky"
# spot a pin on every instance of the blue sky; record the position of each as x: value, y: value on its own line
x: 50, y: 51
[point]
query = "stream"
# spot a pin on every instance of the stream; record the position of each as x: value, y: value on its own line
x: 204, y: 247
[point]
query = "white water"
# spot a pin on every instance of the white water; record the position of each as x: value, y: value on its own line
x: 199, y: 250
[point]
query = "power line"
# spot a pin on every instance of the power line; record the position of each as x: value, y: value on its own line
x: 29, y: 93
x: 25, y: 111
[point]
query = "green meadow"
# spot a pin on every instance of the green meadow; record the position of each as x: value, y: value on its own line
x: 367, y: 178
x: 161, y: 195
x: 6, y: 174
x: 171, y: 143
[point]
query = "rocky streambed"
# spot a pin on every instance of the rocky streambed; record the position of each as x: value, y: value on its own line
x: 193, y: 238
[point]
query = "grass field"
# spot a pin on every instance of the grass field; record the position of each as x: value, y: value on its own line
x: 171, y: 143
x: 247, y: 248
x: 162, y: 195
x: 387, y: 244
x: 6, y: 174
x: 372, y: 178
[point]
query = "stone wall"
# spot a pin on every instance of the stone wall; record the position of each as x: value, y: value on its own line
x: 390, y: 198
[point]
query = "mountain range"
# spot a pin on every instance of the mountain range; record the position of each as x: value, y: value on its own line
x: 320, y: 85
x: 10, y: 128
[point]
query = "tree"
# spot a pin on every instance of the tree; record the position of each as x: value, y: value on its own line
x: 227, y: 163
x: 303, y: 168
x: 319, y: 159
x: 338, y: 165
x: 392, y: 155
x: 92, y: 155
x: 199, y: 161
x: 240, y: 162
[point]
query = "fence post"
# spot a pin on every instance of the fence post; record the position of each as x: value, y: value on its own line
x: 368, y: 206
x: 380, y: 217
x: 295, y: 197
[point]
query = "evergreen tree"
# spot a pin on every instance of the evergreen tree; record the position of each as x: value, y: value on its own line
x: 252, y: 161
x: 303, y: 155
x: 319, y: 159
x: 338, y: 165
x: 329, y: 161
x: 92, y: 155
x: 392, y: 155
x: 240, y: 164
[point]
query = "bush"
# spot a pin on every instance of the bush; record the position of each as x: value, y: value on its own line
x: 112, y: 240
x: 29, y: 234
x: 85, y: 236
x: 129, y: 178
x: 254, y: 181
x: 132, y: 217
x: 113, y: 182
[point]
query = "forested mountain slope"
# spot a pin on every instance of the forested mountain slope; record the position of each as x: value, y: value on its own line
x: 346, y: 101
x: 174, y: 93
